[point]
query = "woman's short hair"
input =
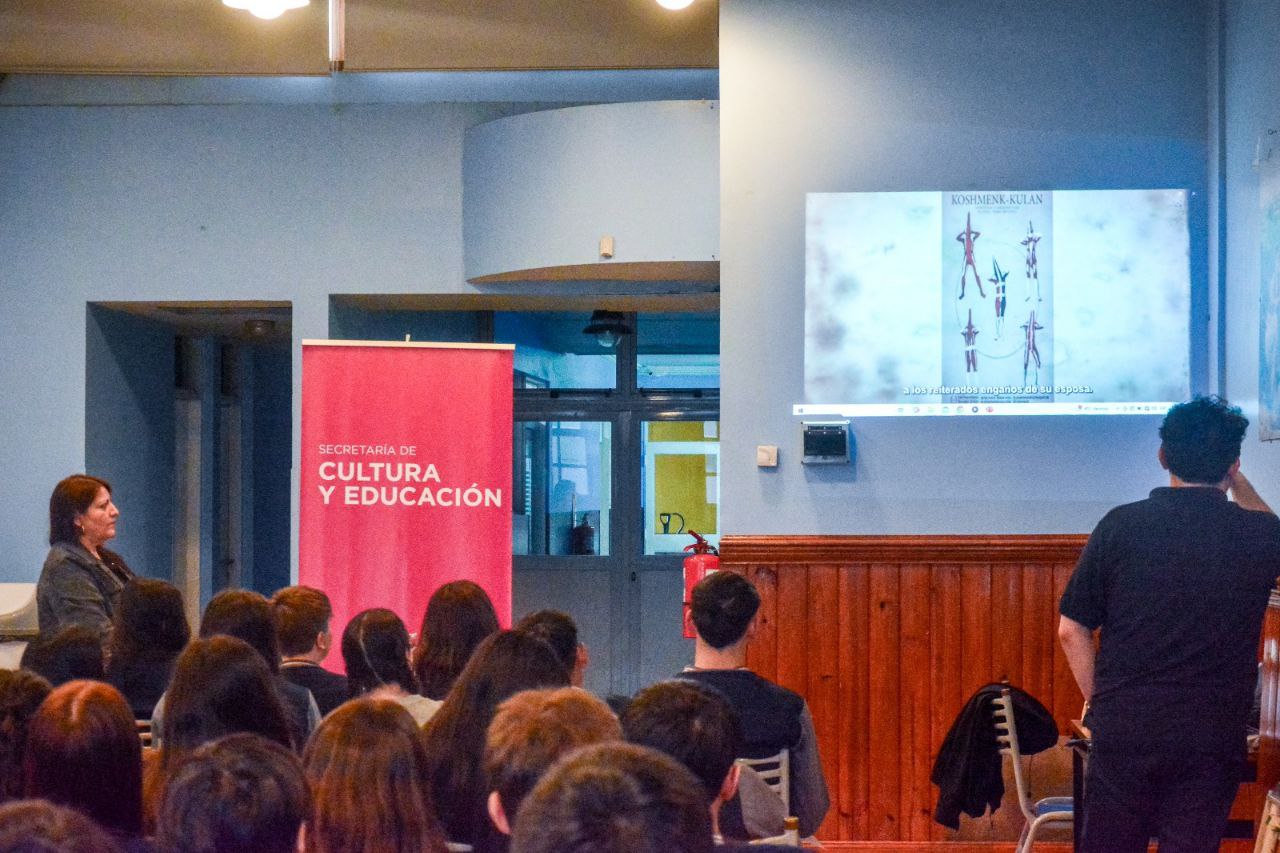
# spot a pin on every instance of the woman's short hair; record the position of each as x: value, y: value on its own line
x: 239, y: 793
x: 83, y: 751
x: 375, y: 649
x: 246, y: 615
x: 615, y: 798
x: 458, y: 616
x: 38, y: 826
x: 72, y: 497
x: 367, y: 767
x: 21, y: 692
x: 150, y: 620
x: 220, y: 686
x: 503, y: 665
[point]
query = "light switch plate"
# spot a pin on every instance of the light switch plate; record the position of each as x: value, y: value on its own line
x: 767, y: 455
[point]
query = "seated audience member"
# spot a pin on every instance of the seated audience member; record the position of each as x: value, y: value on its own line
x: 247, y: 615
x: 367, y: 768
x: 302, y: 619
x: 458, y: 616
x: 559, y: 631
x: 724, y: 607
x: 615, y: 798
x: 21, y: 692
x: 502, y: 666
x: 148, y: 633
x: 238, y: 794
x: 696, y: 726
x: 38, y: 826
x: 221, y: 686
x: 528, y: 733
x: 74, y: 652
x: 375, y: 647
x: 83, y: 752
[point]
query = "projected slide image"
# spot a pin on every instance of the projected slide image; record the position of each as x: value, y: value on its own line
x: 1010, y: 301
x: 998, y: 316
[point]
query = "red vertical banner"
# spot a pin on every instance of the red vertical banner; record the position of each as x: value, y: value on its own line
x: 406, y: 474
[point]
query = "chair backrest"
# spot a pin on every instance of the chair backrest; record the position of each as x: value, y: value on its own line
x: 775, y: 770
x: 1007, y: 738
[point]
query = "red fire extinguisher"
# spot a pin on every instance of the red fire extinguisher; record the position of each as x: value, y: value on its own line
x: 704, y: 560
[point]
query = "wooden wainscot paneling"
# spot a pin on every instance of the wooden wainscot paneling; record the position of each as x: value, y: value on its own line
x: 887, y: 636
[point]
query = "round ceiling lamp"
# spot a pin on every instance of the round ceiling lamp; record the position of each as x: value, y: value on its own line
x: 675, y: 5
x: 266, y: 9
x: 607, y: 327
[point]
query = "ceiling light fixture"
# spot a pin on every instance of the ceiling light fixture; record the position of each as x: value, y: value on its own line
x: 675, y: 5
x: 608, y: 328
x: 266, y: 9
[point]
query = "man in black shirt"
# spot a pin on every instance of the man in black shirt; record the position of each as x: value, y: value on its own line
x: 1177, y: 585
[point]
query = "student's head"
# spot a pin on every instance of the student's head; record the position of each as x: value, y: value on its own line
x: 368, y: 772
x: 238, y: 794
x: 21, y: 692
x: 70, y: 500
x: 458, y: 616
x: 39, y: 826
x: 375, y: 649
x: 723, y: 605
x: 150, y: 620
x: 221, y: 686
x: 302, y: 620
x: 246, y: 615
x: 615, y: 798
x: 559, y: 631
x: 529, y: 732
x: 83, y: 752
x: 1200, y: 439
x: 74, y: 652
x: 694, y: 725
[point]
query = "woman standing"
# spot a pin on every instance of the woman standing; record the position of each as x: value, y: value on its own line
x: 81, y: 580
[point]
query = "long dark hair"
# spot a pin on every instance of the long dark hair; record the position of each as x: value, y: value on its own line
x: 220, y: 686
x: 367, y: 767
x: 83, y: 751
x: 503, y: 665
x: 71, y: 497
x: 458, y: 616
x: 375, y: 649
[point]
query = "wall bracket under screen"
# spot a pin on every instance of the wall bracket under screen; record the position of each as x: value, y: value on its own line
x: 827, y: 443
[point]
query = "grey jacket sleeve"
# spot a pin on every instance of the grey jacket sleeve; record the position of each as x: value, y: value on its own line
x: 809, y: 797
x: 73, y: 598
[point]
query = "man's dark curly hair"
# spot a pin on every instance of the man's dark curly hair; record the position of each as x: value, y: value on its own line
x: 1201, y: 439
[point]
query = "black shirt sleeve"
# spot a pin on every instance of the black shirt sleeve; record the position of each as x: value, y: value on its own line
x: 1084, y: 599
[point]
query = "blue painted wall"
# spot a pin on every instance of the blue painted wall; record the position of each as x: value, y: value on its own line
x: 919, y: 95
x: 1251, y: 55
x: 129, y: 438
x: 250, y: 201
x: 543, y: 188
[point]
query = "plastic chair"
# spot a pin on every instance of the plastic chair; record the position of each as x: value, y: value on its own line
x: 1269, y: 824
x: 1049, y: 810
x: 775, y: 770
